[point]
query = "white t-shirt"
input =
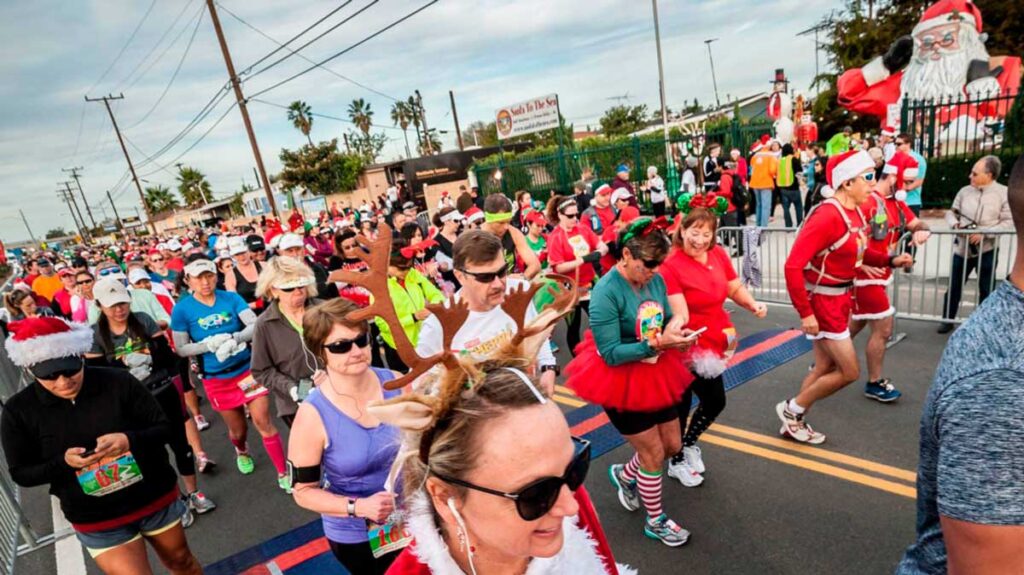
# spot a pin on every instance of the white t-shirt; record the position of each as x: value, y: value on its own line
x: 483, y: 333
x: 657, y: 187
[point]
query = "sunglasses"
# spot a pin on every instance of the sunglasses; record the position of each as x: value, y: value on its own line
x: 868, y: 177
x: 487, y: 277
x: 570, y: 216
x: 109, y: 271
x: 56, y: 374
x: 537, y: 498
x: 345, y: 345
x: 652, y: 264
x: 84, y: 282
x: 157, y: 260
x: 289, y: 289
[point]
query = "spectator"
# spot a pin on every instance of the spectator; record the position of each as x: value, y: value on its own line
x: 712, y: 167
x: 913, y: 188
x: 688, y: 182
x: 583, y: 196
x: 983, y: 205
x: 839, y: 143
x: 764, y: 167
x: 656, y: 188
x: 789, y: 185
x: 742, y: 172
x: 970, y: 488
x: 885, y: 141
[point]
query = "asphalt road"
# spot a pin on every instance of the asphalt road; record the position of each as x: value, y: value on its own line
x: 767, y: 505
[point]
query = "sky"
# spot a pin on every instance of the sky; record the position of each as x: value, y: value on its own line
x: 163, y: 56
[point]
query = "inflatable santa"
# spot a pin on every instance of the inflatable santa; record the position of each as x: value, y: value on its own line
x: 780, y: 108
x: 943, y: 58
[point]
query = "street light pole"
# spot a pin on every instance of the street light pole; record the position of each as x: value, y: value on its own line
x: 714, y: 81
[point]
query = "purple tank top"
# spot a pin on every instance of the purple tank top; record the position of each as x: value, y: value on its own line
x: 356, y: 460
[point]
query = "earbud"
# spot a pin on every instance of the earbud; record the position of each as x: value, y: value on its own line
x: 463, y: 534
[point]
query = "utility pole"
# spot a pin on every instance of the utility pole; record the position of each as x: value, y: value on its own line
x: 30, y: 234
x: 423, y: 119
x: 74, y: 174
x: 455, y: 115
x: 68, y: 198
x: 74, y: 202
x: 240, y: 99
x: 120, y: 226
x: 131, y: 167
x: 347, y: 149
x: 670, y: 171
x: 714, y: 82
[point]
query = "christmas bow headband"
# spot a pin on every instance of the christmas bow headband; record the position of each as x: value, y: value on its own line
x: 410, y: 252
x: 710, y: 201
x: 640, y: 227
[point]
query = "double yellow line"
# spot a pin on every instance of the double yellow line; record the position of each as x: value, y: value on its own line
x: 565, y: 396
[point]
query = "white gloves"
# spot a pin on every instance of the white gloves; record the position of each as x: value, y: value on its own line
x: 228, y: 349
x: 141, y: 372
x: 138, y: 360
x: 214, y: 342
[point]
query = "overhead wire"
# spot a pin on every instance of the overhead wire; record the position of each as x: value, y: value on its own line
x: 292, y: 39
x: 195, y: 143
x: 163, y: 36
x: 123, y: 48
x: 346, y: 50
x: 199, y: 117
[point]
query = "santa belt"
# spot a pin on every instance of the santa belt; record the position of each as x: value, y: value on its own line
x: 841, y: 289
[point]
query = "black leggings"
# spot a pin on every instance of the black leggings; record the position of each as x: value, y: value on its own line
x: 574, y: 319
x: 711, y: 393
x: 170, y: 402
x: 359, y: 560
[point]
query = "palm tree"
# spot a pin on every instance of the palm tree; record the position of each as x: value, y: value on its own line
x: 192, y: 186
x: 159, y: 199
x: 401, y: 115
x: 301, y: 116
x: 361, y: 115
x: 417, y: 119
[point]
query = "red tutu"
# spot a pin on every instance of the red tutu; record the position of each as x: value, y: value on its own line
x: 634, y: 386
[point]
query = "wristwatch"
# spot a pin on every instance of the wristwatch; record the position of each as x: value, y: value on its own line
x: 553, y: 368
x: 351, y: 507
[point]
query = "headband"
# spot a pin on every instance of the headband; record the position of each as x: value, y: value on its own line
x: 566, y: 204
x: 526, y: 380
x: 409, y: 252
x: 497, y: 217
x: 710, y: 201
x: 452, y: 216
x: 641, y: 227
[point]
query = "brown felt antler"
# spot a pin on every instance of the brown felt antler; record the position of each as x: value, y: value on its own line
x: 534, y: 334
x: 376, y: 282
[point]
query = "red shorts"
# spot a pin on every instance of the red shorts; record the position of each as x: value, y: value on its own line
x: 871, y: 302
x: 232, y: 392
x: 833, y: 315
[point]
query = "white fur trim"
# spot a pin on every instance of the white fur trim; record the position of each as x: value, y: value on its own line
x: 71, y: 343
x: 871, y: 316
x: 850, y: 168
x: 873, y: 282
x: 707, y: 363
x: 827, y: 191
x: 967, y: 19
x: 845, y: 334
x: 910, y: 173
x: 578, y: 555
x: 874, y: 71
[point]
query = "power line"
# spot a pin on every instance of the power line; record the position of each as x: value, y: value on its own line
x: 195, y: 143
x: 199, y: 117
x: 293, y: 38
x: 174, y: 76
x: 174, y: 24
x: 303, y: 56
x: 346, y: 50
x: 123, y: 48
x: 283, y: 107
x: 302, y: 47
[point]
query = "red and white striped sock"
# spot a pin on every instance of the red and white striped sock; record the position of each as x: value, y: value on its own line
x: 629, y: 472
x: 649, y: 484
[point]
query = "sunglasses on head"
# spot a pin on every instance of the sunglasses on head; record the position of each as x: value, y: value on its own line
x: 343, y: 346
x: 108, y: 271
x: 55, y: 374
x: 487, y: 277
x: 537, y: 498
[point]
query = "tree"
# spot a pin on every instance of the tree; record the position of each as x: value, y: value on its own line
x: 480, y: 134
x: 401, y: 115
x: 319, y: 168
x: 361, y: 114
x: 417, y: 119
x: 193, y: 186
x: 160, y: 199
x: 301, y: 116
x: 56, y: 233
x: 367, y: 146
x: 435, y: 142
x: 623, y: 120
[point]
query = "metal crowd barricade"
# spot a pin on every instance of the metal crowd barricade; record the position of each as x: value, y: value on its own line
x: 772, y: 249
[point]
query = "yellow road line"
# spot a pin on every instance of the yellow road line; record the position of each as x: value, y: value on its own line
x: 823, y: 468
x: 570, y: 401
x: 864, y: 464
x: 565, y: 390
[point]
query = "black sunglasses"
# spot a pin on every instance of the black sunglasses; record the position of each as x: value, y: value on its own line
x: 56, y: 374
x: 84, y: 282
x: 537, y: 498
x: 570, y: 216
x: 652, y: 264
x: 345, y: 345
x: 487, y: 277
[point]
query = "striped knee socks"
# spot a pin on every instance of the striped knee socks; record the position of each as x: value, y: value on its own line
x: 649, y: 486
x: 631, y: 468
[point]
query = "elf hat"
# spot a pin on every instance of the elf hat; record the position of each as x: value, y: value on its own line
x: 844, y: 167
x: 38, y: 339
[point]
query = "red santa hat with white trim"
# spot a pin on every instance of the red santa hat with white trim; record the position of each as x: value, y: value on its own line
x: 38, y: 339
x: 947, y: 12
x: 904, y: 167
x: 888, y: 131
x: 473, y: 214
x: 844, y: 167
x: 761, y: 143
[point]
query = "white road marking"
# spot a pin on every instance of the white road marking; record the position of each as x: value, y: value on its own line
x: 69, y: 552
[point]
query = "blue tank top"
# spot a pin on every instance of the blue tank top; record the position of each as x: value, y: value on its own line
x: 356, y: 460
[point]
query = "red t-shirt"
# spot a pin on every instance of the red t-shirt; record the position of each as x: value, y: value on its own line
x: 176, y: 264
x: 887, y: 245
x: 725, y: 189
x: 705, y: 287
x: 606, y: 215
x: 565, y: 247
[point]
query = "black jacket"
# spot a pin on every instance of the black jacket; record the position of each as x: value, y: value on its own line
x: 37, y: 427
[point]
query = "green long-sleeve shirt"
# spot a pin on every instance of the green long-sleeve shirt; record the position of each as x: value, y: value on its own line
x: 837, y: 144
x: 622, y: 317
x: 414, y: 296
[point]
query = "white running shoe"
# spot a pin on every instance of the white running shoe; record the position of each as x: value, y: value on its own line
x: 684, y: 473
x: 693, y: 458
x: 794, y: 426
x: 201, y: 423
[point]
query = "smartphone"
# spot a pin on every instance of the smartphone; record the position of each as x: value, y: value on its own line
x: 305, y: 386
x: 696, y: 334
x: 88, y: 453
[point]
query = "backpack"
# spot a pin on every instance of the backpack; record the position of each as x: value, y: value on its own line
x: 740, y: 198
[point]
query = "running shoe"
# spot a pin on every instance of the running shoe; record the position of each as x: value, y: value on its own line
x: 682, y: 471
x: 245, y: 463
x: 204, y: 464
x: 694, y: 459
x: 665, y: 530
x: 285, y: 483
x: 629, y: 497
x: 201, y: 423
x: 881, y: 390
x: 187, y: 518
x: 794, y: 426
x: 199, y: 503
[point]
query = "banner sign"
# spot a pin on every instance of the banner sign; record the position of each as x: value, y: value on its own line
x: 527, y: 117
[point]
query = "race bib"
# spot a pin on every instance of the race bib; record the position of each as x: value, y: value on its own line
x: 109, y: 475
x: 387, y: 538
x: 250, y: 387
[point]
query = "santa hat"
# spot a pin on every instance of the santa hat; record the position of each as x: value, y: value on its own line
x: 760, y: 143
x: 888, y: 131
x: 947, y: 11
x: 474, y: 214
x: 904, y: 166
x: 602, y: 189
x: 38, y: 339
x: 843, y: 167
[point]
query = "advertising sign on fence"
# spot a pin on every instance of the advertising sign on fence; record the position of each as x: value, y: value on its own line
x: 527, y: 117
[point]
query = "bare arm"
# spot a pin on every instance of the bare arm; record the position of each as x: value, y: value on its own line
x: 680, y: 311
x: 741, y: 296
x: 977, y: 549
x: 523, y: 249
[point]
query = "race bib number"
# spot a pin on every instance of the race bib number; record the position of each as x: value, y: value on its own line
x: 250, y: 387
x: 109, y: 475
x: 387, y: 538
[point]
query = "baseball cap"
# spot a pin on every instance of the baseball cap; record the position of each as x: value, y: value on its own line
x: 536, y: 218
x: 44, y: 262
x: 174, y: 245
x: 621, y: 194
x: 137, y: 275
x: 255, y: 243
x: 109, y: 291
x: 621, y: 168
x: 289, y: 241
x: 408, y: 206
x: 199, y: 267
